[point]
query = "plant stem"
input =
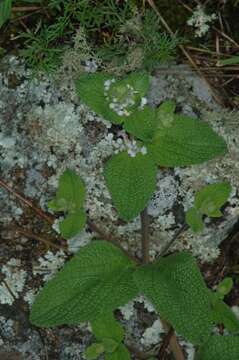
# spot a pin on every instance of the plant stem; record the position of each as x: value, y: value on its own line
x: 173, y: 342
x: 29, y: 203
x: 114, y: 240
x: 50, y: 219
x: 145, y: 236
x: 174, y: 238
x: 32, y: 236
x: 165, y: 343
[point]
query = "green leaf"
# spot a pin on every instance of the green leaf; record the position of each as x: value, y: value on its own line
x: 5, y: 11
x: 72, y: 224
x: 234, y: 60
x: 165, y: 113
x: 211, y: 198
x: 110, y: 345
x: 94, y: 351
x: 186, y: 141
x: 222, y: 314
x: 91, y: 90
x: 94, y: 282
x: 142, y: 124
x: 194, y: 220
x: 139, y: 81
x: 121, y: 353
x: 225, y: 286
x: 131, y: 182
x: 107, y: 327
x: 70, y: 194
x: 220, y: 348
x: 176, y: 287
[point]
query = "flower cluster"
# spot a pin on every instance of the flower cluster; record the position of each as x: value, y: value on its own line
x: 131, y: 146
x: 121, y: 97
x: 133, y: 149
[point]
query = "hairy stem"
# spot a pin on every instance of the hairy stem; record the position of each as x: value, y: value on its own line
x: 145, y: 235
x: 114, y: 240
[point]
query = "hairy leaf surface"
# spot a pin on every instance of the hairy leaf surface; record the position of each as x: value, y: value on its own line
x: 131, y: 182
x: 91, y: 90
x: 142, y: 124
x: 220, y: 348
x: 185, y: 141
x: 176, y: 287
x: 94, y: 282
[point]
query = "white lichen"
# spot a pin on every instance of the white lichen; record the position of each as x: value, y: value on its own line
x: 152, y: 335
x: 201, y: 21
x: 14, y: 278
x: 49, y: 264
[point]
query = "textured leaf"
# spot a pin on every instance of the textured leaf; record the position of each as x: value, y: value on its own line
x: 107, y: 327
x: 165, y: 113
x: 5, y: 11
x: 121, y: 353
x: 90, y: 88
x: 220, y: 348
x: 222, y: 314
x: 95, y: 281
x: 70, y: 194
x: 139, y: 81
x: 211, y: 198
x: 194, y: 220
x: 185, y: 141
x: 176, y: 287
x: 142, y: 124
x: 131, y: 182
x: 72, y: 224
x: 94, y: 351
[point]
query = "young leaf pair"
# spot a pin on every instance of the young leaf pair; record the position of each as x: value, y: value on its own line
x: 170, y: 139
x: 70, y: 198
x: 109, y: 335
x: 208, y: 201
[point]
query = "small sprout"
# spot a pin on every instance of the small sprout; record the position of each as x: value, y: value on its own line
x: 208, y: 201
x: 94, y: 351
x: 225, y: 286
x: 70, y: 198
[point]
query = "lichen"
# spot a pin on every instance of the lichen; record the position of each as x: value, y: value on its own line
x: 14, y: 278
